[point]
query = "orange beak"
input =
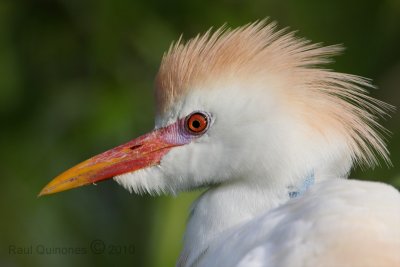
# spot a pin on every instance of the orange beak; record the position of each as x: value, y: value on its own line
x: 139, y: 153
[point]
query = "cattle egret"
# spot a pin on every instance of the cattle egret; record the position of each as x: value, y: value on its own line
x: 252, y: 116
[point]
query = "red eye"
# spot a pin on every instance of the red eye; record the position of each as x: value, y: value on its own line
x: 196, y: 123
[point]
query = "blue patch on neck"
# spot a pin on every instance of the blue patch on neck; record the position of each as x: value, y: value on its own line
x: 299, y: 191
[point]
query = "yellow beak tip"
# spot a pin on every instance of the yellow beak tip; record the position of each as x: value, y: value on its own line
x: 43, y: 192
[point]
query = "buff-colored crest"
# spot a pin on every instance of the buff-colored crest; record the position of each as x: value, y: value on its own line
x: 324, y: 98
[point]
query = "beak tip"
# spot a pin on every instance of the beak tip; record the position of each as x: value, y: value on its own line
x: 44, y: 191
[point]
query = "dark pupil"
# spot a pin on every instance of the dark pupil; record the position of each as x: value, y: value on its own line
x: 196, y: 124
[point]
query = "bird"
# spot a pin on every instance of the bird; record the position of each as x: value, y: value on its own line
x: 253, y: 116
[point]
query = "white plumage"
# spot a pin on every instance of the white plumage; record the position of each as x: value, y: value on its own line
x: 336, y: 223
x: 248, y: 114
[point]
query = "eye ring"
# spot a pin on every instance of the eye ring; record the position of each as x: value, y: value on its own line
x: 197, y: 123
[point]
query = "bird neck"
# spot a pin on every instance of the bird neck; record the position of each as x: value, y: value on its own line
x: 227, y: 205
x: 297, y: 191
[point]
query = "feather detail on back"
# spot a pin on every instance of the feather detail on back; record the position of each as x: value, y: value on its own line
x: 327, y: 100
x: 352, y: 224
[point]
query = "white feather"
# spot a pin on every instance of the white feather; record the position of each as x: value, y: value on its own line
x: 336, y: 223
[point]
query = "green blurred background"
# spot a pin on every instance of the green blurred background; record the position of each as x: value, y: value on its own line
x: 76, y: 79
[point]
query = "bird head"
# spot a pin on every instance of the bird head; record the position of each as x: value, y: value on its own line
x: 250, y: 104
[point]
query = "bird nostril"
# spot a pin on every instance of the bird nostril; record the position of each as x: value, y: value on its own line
x: 135, y: 147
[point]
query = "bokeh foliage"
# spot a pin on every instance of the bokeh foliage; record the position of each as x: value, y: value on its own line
x: 76, y: 79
